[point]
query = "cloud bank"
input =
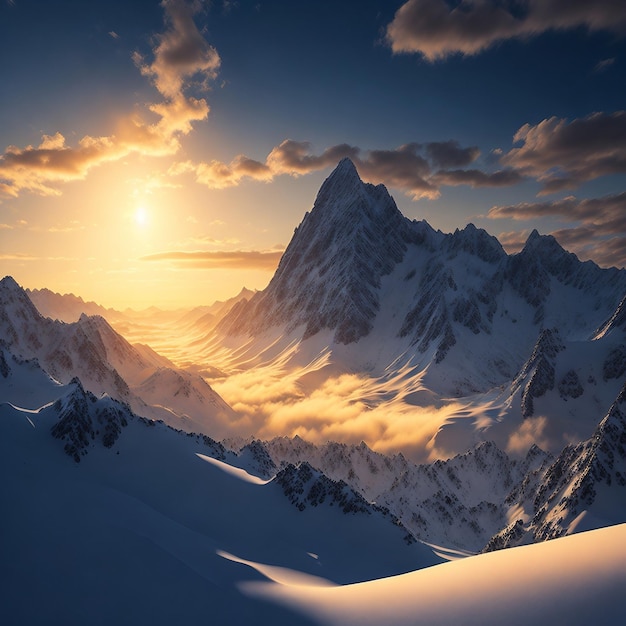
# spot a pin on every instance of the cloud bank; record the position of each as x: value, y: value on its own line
x: 271, y: 402
x: 437, y: 29
x: 417, y: 169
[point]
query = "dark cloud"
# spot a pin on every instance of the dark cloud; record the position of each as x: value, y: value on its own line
x: 437, y: 28
x: 409, y: 167
x: 249, y: 260
x: 477, y: 178
x: 607, y: 215
x: 403, y: 168
x: 610, y: 252
x: 294, y: 157
x: 450, y: 154
x: 562, y: 154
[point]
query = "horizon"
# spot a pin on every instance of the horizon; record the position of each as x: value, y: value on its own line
x: 237, y: 291
x: 149, y: 158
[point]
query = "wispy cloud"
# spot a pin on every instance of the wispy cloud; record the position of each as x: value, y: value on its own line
x: 603, y: 65
x: 180, y: 56
x: 437, y: 29
x: 255, y: 260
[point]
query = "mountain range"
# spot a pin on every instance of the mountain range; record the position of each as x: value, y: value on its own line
x: 521, y: 357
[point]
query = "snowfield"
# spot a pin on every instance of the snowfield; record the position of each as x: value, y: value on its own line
x: 577, y: 580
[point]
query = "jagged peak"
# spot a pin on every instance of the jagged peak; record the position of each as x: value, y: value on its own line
x: 8, y: 282
x: 9, y: 286
x: 545, y: 246
x: 343, y: 182
x: 12, y: 292
x: 346, y: 167
x: 479, y: 242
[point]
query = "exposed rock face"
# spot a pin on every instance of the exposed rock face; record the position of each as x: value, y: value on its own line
x: 569, y: 385
x: 570, y: 486
x: 305, y: 486
x: 615, y: 364
x: 85, y: 420
x: 330, y: 273
x: 538, y: 373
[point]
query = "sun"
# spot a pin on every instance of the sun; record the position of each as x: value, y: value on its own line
x: 141, y: 216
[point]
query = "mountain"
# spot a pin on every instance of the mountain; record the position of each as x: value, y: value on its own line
x: 110, y: 515
x: 585, y: 487
x: 106, y: 363
x: 68, y: 307
x: 423, y: 317
x: 330, y: 274
x: 358, y: 271
x: 100, y: 530
x: 459, y: 503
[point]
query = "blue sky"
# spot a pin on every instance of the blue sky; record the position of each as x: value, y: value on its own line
x: 134, y: 134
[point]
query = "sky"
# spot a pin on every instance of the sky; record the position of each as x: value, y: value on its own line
x: 162, y: 153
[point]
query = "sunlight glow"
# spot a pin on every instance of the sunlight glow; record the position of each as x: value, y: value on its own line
x: 141, y: 216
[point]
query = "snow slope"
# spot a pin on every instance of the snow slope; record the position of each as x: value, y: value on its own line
x: 148, y: 526
x: 134, y: 527
x: 576, y: 581
x: 106, y: 363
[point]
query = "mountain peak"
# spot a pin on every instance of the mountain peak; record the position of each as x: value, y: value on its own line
x: 346, y: 167
x: 330, y: 273
x: 8, y: 282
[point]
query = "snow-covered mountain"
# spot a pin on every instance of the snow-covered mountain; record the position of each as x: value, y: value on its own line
x: 482, y: 499
x: 457, y: 303
x: 424, y: 316
x: 68, y: 307
x: 106, y: 363
x: 585, y: 487
x: 113, y: 517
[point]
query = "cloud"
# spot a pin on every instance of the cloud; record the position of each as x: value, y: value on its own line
x: 478, y: 178
x: 532, y: 431
x: 113, y: 34
x: 410, y: 167
x: 513, y: 241
x: 563, y: 154
x: 18, y: 257
x: 603, y: 65
x: 450, y: 154
x: 607, y: 215
x: 600, y: 235
x: 272, y: 401
x: 437, y: 29
x: 249, y: 260
x: 294, y: 157
x: 180, y: 55
x: 182, y: 52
